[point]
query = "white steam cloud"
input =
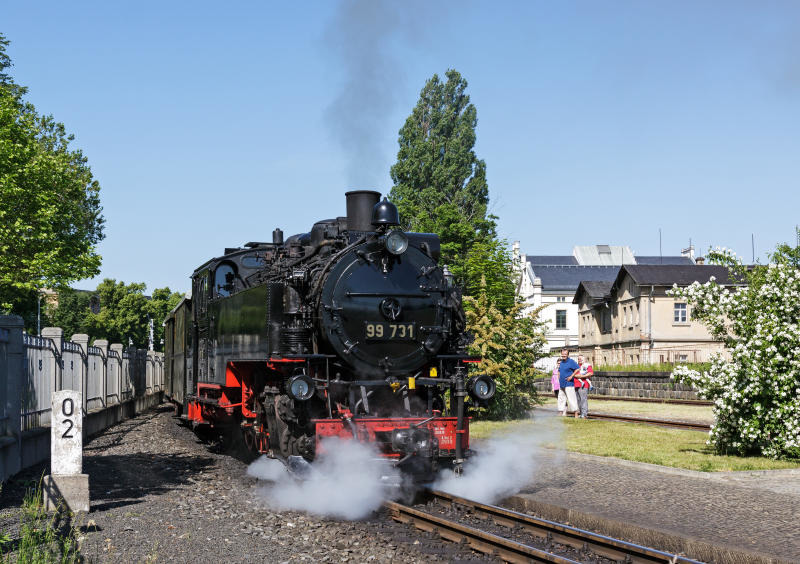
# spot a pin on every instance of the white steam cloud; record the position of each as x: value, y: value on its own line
x: 347, y: 481
x: 504, y: 464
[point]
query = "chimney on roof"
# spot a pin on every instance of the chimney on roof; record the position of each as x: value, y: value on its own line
x: 700, y: 260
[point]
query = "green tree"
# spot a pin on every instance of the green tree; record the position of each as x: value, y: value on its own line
x: 124, y: 313
x: 440, y: 184
x: 509, y: 343
x: 72, y: 313
x: 489, y: 265
x: 50, y: 213
x: 161, y: 303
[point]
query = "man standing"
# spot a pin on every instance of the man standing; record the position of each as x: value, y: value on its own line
x: 582, y: 385
x: 566, y: 375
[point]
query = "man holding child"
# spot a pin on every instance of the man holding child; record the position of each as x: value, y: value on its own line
x: 566, y: 376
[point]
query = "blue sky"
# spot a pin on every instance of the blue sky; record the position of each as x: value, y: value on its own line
x: 210, y: 124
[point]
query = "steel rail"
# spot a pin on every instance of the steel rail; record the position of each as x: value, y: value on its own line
x: 552, y: 531
x: 650, y: 421
x: 601, y: 397
x: 481, y: 541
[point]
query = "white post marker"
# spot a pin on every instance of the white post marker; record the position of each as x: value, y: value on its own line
x: 66, y: 481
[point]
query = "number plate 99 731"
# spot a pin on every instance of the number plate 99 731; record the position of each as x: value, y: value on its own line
x: 389, y: 331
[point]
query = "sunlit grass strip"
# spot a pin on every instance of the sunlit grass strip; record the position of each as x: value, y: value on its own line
x: 638, y: 442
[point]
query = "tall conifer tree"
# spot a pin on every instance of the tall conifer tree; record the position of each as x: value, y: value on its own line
x: 440, y: 186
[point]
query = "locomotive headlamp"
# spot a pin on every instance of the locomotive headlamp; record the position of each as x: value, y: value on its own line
x: 396, y: 242
x: 300, y: 387
x: 481, y: 387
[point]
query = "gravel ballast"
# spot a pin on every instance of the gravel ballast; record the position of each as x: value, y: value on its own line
x: 160, y: 494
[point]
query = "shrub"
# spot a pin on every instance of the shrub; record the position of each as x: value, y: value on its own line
x: 509, y: 344
x: 756, y: 393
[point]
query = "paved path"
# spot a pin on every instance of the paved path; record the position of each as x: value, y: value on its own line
x: 754, y: 511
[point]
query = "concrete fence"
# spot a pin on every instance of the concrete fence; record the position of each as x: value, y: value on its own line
x: 115, y: 384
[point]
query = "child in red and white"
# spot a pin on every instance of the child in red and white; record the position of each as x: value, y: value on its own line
x: 583, y: 383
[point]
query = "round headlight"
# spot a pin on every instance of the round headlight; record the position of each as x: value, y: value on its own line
x: 396, y: 242
x: 300, y: 387
x: 481, y: 387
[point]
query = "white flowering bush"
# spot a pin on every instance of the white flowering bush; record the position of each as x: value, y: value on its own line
x: 756, y: 393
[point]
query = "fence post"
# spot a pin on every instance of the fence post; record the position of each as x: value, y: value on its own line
x: 12, y: 371
x: 55, y: 334
x: 151, y: 368
x: 102, y: 344
x: 82, y: 340
x: 160, y: 361
x: 117, y: 348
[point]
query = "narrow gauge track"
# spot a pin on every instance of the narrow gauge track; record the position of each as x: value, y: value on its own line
x: 513, y: 551
x: 662, y: 422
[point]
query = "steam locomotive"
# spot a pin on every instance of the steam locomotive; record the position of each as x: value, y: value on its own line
x: 350, y: 330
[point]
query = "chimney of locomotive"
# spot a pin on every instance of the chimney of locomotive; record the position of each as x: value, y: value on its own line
x: 277, y: 236
x: 360, y: 204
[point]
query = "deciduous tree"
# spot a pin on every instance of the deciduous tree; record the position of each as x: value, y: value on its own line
x: 124, y: 313
x: 50, y: 214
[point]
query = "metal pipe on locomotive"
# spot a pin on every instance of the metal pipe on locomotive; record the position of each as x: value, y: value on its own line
x: 350, y: 330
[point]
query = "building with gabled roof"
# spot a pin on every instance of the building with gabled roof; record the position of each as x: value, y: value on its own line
x: 634, y: 320
x: 552, y: 280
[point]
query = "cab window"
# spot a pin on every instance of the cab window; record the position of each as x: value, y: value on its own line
x: 224, y: 279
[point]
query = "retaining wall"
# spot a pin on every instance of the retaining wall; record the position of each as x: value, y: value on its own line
x: 633, y: 385
x: 116, y: 383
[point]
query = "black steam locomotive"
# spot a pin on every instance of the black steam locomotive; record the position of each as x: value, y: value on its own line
x: 350, y: 330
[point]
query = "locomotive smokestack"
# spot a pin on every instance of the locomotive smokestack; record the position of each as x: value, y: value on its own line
x: 359, y: 209
x: 277, y: 236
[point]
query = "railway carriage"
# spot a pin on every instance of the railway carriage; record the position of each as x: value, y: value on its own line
x: 351, y: 330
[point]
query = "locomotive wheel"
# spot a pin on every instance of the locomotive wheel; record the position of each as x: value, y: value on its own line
x: 292, y: 438
x: 236, y: 443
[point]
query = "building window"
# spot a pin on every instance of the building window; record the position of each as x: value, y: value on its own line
x: 561, y: 299
x: 605, y: 320
x: 680, y: 313
x: 561, y: 319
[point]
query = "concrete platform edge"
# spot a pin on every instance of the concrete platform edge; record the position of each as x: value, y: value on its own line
x: 668, y: 542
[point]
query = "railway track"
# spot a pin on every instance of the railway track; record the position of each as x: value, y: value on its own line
x: 661, y: 422
x: 600, y: 397
x: 509, y: 550
x: 647, y: 420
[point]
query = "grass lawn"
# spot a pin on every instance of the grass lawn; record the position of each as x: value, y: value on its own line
x: 638, y: 442
x: 698, y: 413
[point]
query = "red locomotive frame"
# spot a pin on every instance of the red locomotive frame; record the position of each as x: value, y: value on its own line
x: 216, y: 404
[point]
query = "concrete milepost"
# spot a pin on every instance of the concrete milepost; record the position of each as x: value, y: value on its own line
x: 66, y: 481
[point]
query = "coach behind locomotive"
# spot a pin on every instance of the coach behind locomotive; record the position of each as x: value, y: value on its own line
x: 350, y: 330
